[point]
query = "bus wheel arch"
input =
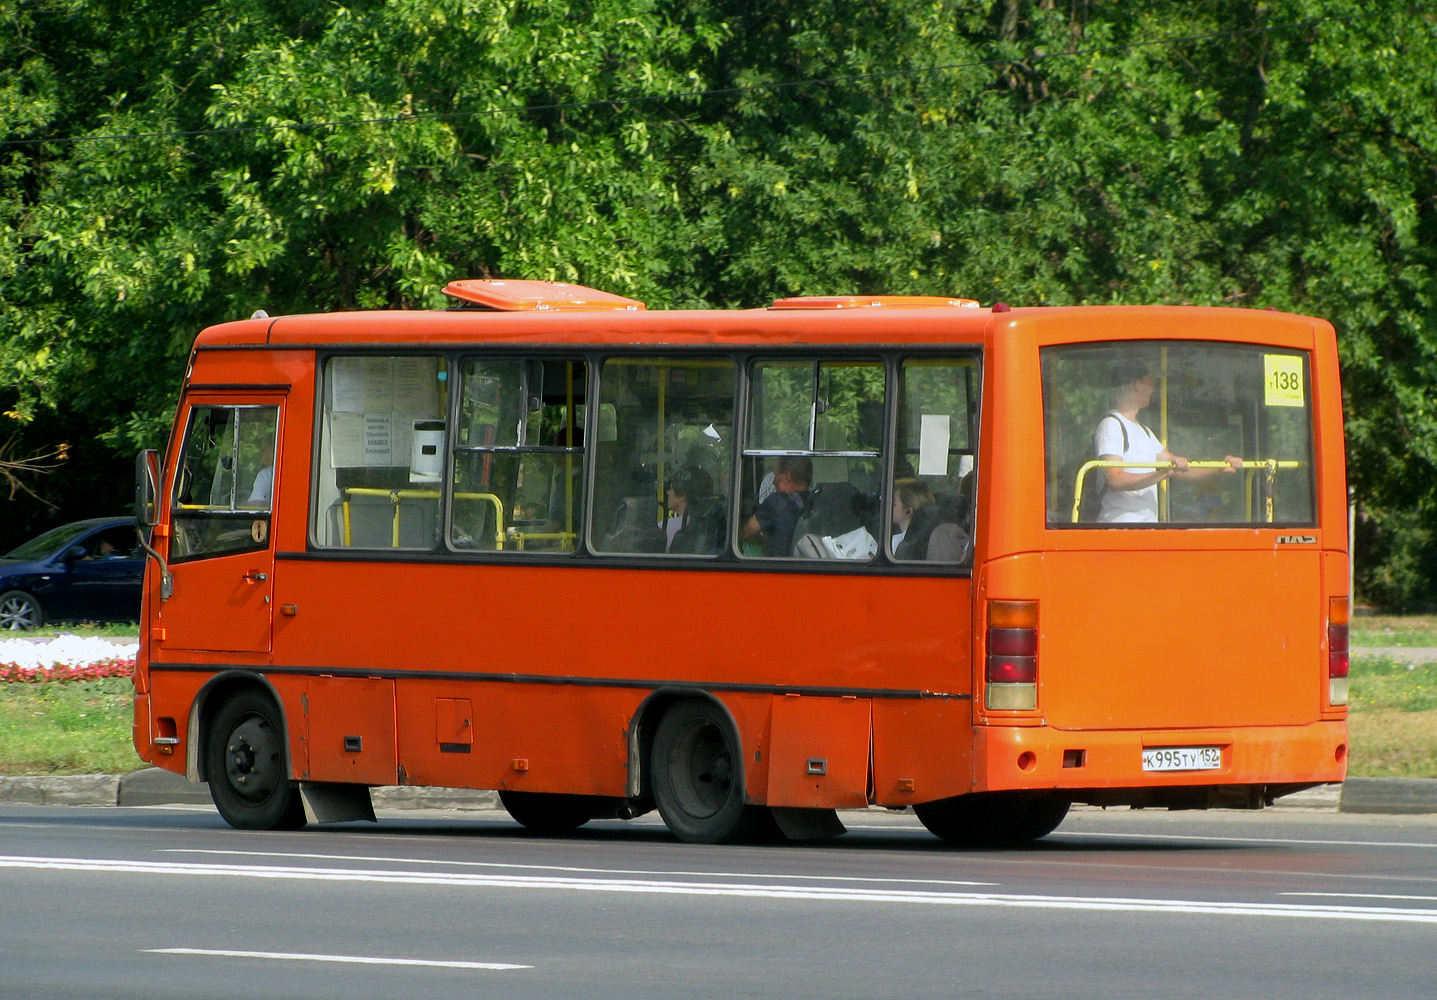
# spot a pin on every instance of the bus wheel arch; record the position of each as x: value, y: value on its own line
x: 243, y: 753
x: 695, y: 770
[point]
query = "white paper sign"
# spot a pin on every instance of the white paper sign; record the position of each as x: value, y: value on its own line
x: 933, y: 445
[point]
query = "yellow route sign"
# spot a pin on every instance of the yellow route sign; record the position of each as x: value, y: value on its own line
x: 1282, y: 380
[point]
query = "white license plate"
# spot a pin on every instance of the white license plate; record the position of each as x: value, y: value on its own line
x: 1182, y: 758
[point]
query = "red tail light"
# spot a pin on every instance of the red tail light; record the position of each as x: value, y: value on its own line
x: 1012, y: 664
x: 1339, y: 662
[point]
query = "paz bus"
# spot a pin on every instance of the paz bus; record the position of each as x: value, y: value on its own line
x: 748, y: 567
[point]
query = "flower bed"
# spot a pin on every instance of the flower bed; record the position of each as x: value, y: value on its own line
x: 64, y: 658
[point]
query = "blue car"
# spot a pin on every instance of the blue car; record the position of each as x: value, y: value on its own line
x: 89, y: 571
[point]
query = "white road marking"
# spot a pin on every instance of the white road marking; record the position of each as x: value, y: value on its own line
x: 820, y: 894
x: 1061, y: 834
x: 1363, y: 895
x: 560, y: 868
x: 350, y: 959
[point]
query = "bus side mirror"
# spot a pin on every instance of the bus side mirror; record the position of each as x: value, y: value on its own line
x: 147, y: 488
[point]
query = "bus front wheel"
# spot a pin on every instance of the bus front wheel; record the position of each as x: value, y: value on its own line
x: 993, y: 819
x: 245, y: 766
x: 698, y: 776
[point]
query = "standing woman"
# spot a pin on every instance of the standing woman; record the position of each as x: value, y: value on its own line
x: 1131, y: 496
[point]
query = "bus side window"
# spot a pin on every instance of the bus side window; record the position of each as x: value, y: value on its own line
x: 226, y: 449
x: 519, y: 456
x: 662, y: 462
x: 812, y: 461
x: 381, y: 455
x: 933, y: 470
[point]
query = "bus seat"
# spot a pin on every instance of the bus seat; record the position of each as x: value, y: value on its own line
x: 705, y: 530
x: 635, y: 528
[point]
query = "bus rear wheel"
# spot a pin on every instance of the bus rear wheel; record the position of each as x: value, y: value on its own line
x: 698, y: 776
x: 245, y: 766
x: 546, y: 812
x: 993, y: 819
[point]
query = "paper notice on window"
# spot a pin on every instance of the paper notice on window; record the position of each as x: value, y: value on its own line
x: 416, y: 386
x: 1282, y: 380
x: 379, y: 439
x: 346, y: 385
x: 378, y: 384
x: 933, y: 445
x: 346, y: 435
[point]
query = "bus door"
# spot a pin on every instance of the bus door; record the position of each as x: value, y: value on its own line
x: 221, y: 549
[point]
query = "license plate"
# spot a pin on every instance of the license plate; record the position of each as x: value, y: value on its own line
x: 1182, y: 758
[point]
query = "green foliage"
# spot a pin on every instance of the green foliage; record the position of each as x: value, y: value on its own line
x: 310, y: 156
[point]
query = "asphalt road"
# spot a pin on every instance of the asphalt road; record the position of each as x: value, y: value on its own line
x: 162, y: 903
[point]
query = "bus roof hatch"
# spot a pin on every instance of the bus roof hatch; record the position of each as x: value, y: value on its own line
x: 534, y: 296
x: 872, y: 302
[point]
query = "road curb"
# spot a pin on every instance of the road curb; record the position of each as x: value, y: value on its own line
x: 1389, y: 795
x: 154, y: 787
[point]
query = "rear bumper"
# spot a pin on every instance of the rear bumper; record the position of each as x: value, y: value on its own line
x: 1106, y: 766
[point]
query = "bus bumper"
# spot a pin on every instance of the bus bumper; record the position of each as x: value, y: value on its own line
x: 1110, y: 767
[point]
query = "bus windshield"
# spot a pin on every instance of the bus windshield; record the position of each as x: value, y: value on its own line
x: 1177, y: 434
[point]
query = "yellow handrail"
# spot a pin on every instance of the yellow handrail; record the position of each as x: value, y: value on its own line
x: 1249, y: 466
x: 521, y: 538
x: 395, y: 497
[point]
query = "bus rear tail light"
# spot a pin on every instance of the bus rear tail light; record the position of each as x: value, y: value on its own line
x: 1012, y: 665
x: 1339, y: 611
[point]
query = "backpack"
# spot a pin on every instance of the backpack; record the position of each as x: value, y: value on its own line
x: 1095, y: 483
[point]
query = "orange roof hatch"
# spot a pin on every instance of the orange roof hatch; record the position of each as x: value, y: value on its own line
x: 534, y: 296
x: 872, y: 302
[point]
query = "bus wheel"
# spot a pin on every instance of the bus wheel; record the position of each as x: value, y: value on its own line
x: 993, y: 819
x: 697, y: 782
x: 545, y: 812
x: 244, y: 762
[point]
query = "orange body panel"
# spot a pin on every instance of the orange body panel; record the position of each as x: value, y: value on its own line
x: 531, y: 673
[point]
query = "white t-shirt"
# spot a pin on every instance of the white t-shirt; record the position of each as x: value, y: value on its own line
x: 1143, y: 446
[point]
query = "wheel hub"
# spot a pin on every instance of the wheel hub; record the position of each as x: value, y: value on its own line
x: 252, y: 759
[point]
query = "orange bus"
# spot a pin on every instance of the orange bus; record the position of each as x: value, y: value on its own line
x: 750, y: 567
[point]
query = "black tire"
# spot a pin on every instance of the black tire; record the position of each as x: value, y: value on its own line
x: 697, y: 771
x: 993, y: 819
x: 20, y: 612
x: 551, y: 813
x: 245, y: 765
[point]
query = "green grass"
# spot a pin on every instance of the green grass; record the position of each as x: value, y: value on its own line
x: 85, y: 630
x: 1392, y: 725
x: 1394, y: 630
x: 1390, y: 684
x: 78, y: 727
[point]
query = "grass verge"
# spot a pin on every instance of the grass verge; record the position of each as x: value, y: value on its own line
x: 1394, y: 630
x: 1392, y: 725
x: 67, y: 727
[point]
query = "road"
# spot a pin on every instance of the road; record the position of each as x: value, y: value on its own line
x: 160, y: 903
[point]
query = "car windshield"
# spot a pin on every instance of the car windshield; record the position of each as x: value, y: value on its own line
x: 50, y: 542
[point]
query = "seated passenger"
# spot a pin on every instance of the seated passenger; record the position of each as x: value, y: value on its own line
x: 700, y: 513
x: 778, y: 513
x: 926, y: 530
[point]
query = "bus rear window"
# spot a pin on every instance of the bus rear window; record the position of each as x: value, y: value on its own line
x: 1140, y: 434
